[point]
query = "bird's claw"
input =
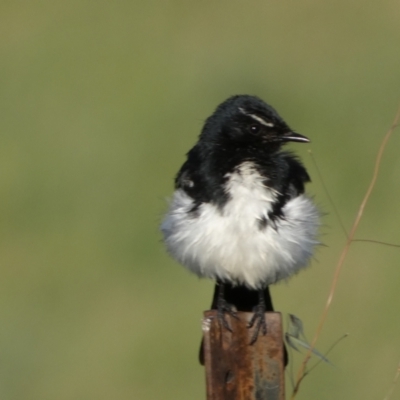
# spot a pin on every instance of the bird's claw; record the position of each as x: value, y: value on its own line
x: 259, y: 322
x: 225, y: 308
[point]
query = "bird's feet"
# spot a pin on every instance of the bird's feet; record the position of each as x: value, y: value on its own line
x: 258, y: 319
x: 223, y: 308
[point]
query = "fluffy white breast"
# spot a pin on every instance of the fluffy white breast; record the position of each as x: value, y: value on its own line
x: 229, y: 244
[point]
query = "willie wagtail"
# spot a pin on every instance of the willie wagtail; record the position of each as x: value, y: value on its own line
x: 239, y: 214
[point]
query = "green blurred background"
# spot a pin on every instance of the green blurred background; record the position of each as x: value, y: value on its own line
x: 100, y: 101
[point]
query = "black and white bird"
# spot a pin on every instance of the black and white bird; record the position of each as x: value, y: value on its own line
x: 239, y: 214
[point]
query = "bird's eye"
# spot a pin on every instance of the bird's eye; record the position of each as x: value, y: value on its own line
x: 254, y: 128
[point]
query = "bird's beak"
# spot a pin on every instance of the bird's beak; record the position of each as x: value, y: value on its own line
x: 294, y: 137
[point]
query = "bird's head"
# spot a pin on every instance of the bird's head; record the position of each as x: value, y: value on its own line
x: 248, y: 121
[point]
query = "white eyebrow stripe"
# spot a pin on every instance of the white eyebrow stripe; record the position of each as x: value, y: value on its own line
x: 257, y: 118
x: 261, y: 121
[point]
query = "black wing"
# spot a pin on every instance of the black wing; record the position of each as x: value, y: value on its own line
x: 290, y: 182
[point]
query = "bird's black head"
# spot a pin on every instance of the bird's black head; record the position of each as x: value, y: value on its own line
x: 244, y: 120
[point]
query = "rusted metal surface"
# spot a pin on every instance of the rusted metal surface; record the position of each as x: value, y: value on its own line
x: 236, y: 370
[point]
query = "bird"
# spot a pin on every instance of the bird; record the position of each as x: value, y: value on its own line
x: 239, y: 214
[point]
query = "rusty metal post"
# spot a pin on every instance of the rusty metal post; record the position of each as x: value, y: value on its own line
x: 236, y: 370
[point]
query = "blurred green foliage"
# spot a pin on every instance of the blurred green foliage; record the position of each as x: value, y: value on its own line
x: 100, y: 101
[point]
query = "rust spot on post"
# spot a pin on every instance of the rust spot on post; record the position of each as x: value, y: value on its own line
x: 236, y: 370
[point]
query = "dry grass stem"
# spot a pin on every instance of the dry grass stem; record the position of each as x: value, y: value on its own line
x: 376, y: 242
x: 301, y: 372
